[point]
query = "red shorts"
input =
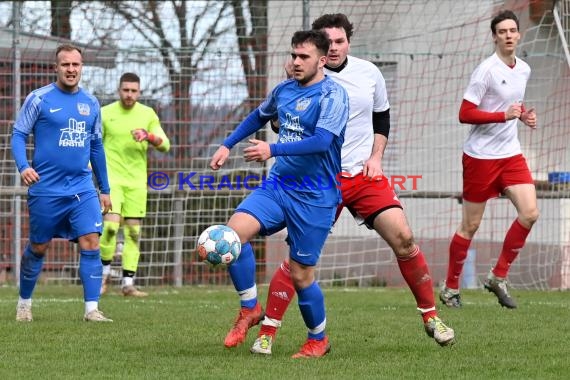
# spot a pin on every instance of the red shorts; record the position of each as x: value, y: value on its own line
x: 486, y: 179
x: 365, y: 199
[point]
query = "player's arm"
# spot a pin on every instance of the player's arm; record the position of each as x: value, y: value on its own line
x: 262, y: 151
x: 528, y: 116
x: 19, y: 139
x: 154, y: 134
x: 97, y: 157
x: 470, y: 114
x: 157, y: 137
x: 99, y: 166
x: 318, y: 143
x: 381, y: 126
x: 23, y: 126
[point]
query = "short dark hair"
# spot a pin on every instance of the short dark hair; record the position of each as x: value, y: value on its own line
x: 129, y: 77
x: 66, y: 47
x: 316, y: 37
x: 334, y: 20
x: 502, y: 16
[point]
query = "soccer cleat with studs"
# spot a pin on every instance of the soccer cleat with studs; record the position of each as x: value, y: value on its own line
x: 96, y: 316
x: 314, y: 348
x: 450, y: 298
x: 246, y: 319
x: 499, y: 287
x: 131, y: 291
x: 262, y: 345
x: 24, y: 313
x: 442, y: 334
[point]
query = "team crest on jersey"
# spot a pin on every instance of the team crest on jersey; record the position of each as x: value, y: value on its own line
x: 74, y: 135
x: 302, y: 104
x: 83, y: 109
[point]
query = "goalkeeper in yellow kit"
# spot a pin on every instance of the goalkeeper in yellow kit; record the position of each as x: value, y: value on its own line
x: 129, y: 128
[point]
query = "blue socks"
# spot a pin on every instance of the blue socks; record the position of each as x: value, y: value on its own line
x: 30, y: 269
x: 91, y: 274
x: 312, y: 306
x: 242, y: 273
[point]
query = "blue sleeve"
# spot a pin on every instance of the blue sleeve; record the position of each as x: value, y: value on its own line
x: 252, y: 123
x: 19, y: 150
x: 334, y: 108
x: 99, y: 164
x: 318, y: 143
x: 97, y: 133
x: 23, y: 126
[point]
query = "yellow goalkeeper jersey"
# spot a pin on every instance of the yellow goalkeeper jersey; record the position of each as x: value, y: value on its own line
x: 126, y: 158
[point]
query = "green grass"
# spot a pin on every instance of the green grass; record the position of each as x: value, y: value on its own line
x: 375, y: 334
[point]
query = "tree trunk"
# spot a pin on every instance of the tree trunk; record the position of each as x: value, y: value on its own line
x: 60, y: 14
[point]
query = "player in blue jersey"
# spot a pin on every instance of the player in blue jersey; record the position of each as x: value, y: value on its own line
x: 62, y: 201
x: 300, y: 192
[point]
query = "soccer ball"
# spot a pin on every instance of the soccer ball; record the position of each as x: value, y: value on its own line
x: 218, y: 244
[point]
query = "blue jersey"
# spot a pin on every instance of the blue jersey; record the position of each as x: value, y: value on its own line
x: 311, y: 177
x: 67, y: 137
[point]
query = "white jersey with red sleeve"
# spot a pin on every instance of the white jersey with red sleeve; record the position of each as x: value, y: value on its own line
x: 494, y: 86
x: 366, y: 90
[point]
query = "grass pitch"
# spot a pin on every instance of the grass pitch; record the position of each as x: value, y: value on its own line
x: 375, y: 333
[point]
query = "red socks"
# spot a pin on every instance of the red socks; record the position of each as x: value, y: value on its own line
x: 280, y: 294
x: 514, y: 242
x: 416, y: 273
x: 457, y: 256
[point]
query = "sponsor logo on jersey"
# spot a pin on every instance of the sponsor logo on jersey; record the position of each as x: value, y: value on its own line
x: 74, y: 135
x: 292, y: 130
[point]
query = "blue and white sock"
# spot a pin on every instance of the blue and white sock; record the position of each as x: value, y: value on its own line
x: 91, y: 275
x: 242, y: 273
x: 312, y: 305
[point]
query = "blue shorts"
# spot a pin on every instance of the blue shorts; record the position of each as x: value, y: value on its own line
x: 307, y: 226
x: 67, y: 217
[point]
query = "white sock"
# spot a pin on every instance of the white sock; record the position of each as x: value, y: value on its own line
x: 22, y: 301
x: 128, y: 281
x: 271, y: 322
x: 90, y: 306
x: 106, y: 270
x: 423, y: 311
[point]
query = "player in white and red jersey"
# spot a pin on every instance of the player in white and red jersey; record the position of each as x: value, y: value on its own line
x: 365, y: 191
x: 493, y: 163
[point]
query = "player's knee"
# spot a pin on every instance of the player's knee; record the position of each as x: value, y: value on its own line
x: 133, y: 232
x: 110, y: 229
x: 530, y: 217
x: 89, y: 242
x: 39, y: 249
x: 302, y: 276
x: 406, y: 245
x: 468, y: 228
